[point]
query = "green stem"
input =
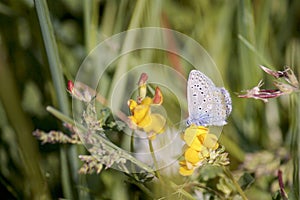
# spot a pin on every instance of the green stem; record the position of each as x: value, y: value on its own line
x: 180, y: 190
x: 186, y: 194
x: 132, y: 142
x: 215, y: 192
x: 91, y: 18
x: 132, y: 150
x: 142, y: 187
x: 157, y: 174
x: 60, y: 89
x: 236, y: 184
x: 87, y: 19
x: 295, y: 141
x: 52, y: 54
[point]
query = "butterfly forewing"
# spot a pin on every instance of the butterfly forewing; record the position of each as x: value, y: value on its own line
x: 207, y: 104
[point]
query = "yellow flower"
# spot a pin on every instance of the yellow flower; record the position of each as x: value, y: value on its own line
x: 140, y: 112
x: 132, y: 105
x: 192, y: 156
x: 199, y: 144
x: 194, y: 136
x: 184, y: 170
x: 151, y: 123
x: 156, y: 124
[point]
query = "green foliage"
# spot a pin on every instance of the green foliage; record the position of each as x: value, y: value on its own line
x: 246, y: 180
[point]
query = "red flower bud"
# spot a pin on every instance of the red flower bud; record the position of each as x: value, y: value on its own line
x: 158, y: 97
x: 70, y: 86
x: 143, y: 79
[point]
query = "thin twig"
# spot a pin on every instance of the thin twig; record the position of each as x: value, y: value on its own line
x: 281, y: 185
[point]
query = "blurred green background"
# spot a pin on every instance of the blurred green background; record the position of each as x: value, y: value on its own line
x: 239, y: 35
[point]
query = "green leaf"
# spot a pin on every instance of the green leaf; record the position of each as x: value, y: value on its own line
x: 246, y: 181
x: 277, y: 196
x: 210, y: 172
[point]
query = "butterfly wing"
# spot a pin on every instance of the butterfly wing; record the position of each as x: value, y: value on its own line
x: 221, y: 107
x: 197, y: 92
x: 207, y: 104
x: 227, y: 101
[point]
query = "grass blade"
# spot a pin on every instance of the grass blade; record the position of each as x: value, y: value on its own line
x: 57, y: 77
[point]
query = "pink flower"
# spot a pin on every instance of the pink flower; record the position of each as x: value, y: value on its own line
x: 282, y: 88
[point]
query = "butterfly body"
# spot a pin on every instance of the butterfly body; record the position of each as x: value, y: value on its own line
x: 208, y: 105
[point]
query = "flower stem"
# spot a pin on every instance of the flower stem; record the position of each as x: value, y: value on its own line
x: 281, y: 185
x: 294, y: 143
x: 133, y: 169
x: 239, y: 189
x: 142, y: 187
x: 132, y: 142
x: 157, y: 174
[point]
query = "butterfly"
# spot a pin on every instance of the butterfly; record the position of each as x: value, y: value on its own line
x: 208, y: 105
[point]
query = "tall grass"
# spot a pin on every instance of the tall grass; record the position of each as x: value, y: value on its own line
x: 44, y: 45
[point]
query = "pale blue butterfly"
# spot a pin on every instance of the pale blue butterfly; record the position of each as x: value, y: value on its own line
x: 208, y: 105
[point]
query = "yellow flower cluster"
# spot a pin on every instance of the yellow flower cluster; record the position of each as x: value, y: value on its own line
x: 142, y: 117
x: 199, y: 143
